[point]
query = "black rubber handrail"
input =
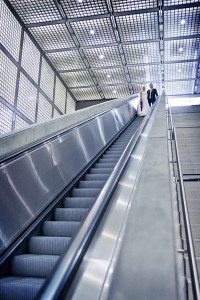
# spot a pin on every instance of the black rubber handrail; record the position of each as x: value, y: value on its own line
x: 63, y: 272
x: 188, y: 231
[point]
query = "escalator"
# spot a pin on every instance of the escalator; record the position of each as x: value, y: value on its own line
x: 29, y: 268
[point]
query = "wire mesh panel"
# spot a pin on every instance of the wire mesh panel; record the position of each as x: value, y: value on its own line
x: 102, y: 57
x: 142, y: 53
x: 44, y: 109
x: 140, y: 27
x: 52, y: 36
x: 20, y: 123
x: 145, y: 73
x: 181, y: 49
x: 55, y: 113
x: 36, y: 11
x: 119, y: 91
x: 127, y: 5
x: 26, y: 102
x: 178, y: 2
x: 94, y: 32
x: 90, y: 93
x: 180, y: 70
x: 66, y: 60
x: 30, y: 58
x: 76, y: 79
x: 181, y: 87
x: 60, y: 95
x: 74, y: 8
x: 182, y: 22
x: 10, y: 31
x: 5, y: 119
x: 111, y: 75
x: 47, y: 79
x: 8, y: 77
x: 71, y: 104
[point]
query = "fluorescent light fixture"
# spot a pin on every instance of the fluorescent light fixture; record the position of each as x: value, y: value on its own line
x: 101, y: 56
x: 182, y: 22
x: 114, y: 91
x: 79, y: 1
x: 180, y: 49
x: 92, y: 31
x: 108, y: 75
x: 179, y: 70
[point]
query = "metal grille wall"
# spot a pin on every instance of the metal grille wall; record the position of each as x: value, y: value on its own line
x: 30, y: 88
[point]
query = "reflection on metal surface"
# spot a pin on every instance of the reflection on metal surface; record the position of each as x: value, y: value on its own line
x: 30, y: 182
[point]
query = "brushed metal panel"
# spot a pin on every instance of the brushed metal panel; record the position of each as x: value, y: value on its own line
x: 30, y: 182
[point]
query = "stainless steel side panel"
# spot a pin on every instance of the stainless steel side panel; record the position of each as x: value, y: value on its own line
x: 28, y: 184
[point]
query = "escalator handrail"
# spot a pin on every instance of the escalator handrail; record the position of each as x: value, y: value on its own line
x: 67, y: 264
x: 188, y: 231
x: 41, y: 141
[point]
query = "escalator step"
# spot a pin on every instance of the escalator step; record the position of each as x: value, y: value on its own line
x: 60, y: 228
x: 96, y: 177
x: 78, y: 202
x: 110, y: 155
x: 91, y: 184
x: 105, y: 165
x: 48, y: 245
x: 108, y: 160
x: 20, y: 288
x: 101, y: 171
x: 70, y: 214
x: 33, y: 265
x: 85, y: 192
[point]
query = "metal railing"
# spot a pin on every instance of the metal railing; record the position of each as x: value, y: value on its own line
x: 188, y: 231
x: 67, y: 265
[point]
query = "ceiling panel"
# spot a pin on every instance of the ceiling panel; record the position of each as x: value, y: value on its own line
x: 145, y: 73
x: 74, y: 8
x: 102, y: 31
x: 178, y: 2
x: 66, y: 60
x: 76, y: 79
x: 89, y: 93
x: 181, y: 49
x: 180, y: 70
x: 52, y: 36
x: 110, y: 75
x: 119, y: 91
x: 127, y: 5
x: 179, y: 88
x: 138, y: 27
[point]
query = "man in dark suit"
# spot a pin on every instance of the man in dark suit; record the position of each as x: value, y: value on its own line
x: 152, y: 94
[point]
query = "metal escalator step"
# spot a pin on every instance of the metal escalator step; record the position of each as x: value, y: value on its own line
x: 101, y: 171
x: 195, y: 232
x: 78, y: 202
x: 105, y: 165
x: 111, y: 155
x: 108, y: 160
x: 194, y: 217
x: 85, y: 192
x: 48, y: 245
x: 96, y: 177
x: 91, y: 184
x: 20, y: 288
x: 33, y: 265
x: 60, y: 228
x: 193, y: 195
x: 70, y: 214
x: 192, y: 186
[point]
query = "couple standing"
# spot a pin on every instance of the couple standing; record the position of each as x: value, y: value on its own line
x: 146, y: 100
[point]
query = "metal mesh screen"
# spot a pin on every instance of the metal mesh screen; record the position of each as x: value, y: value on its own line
x: 10, y: 32
x: 44, y: 109
x: 36, y: 11
x: 76, y: 79
x: 181, y: 87
x: 8, y: 76
x: 103, y: 32
x: 110, y: 56
x: 180, y: 70
x: 20, y: 123
x: 30, y: 58
x: 75, y: 8
x: 108, y: 76
x: 173, y: 22
x: 111, y: 92
x: 52, y: 36
x: 66, y: 60
x: 86, y: 93
x: 145, y: 73
x: 55, y: 113
x: 142, y: 53
x: 60, y: 95
x: 178, y: 2
x: 5, y: 119
x: 71, y: 104
x: 47, y: 79
x: 127, y: 5
x: 140, y: 27
x: 26, y: 102
x: 190, y: 49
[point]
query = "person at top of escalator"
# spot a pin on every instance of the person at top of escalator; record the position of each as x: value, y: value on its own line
x: 143, y: 105
x: 152, y: 95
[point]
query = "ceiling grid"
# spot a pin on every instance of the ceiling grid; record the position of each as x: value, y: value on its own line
x: 105, y: 49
